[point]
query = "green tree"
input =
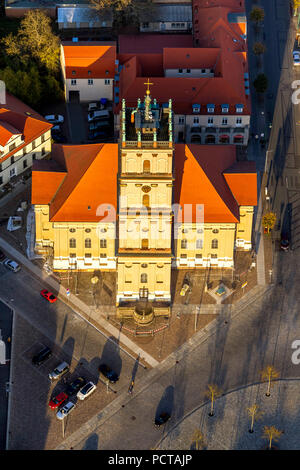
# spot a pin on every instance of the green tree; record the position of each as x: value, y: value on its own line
x: 259, y: 48
x: 257, y: 15
x: 261, y: 83
x: 269, y: 221
x: 125, y: 11
x: 34, y: 40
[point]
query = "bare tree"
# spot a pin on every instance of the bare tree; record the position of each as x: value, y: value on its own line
x: 198, y: 440
x: 212, y: 392
x: 269, y: 374
x: 272, y: 434
x: 255, y: 413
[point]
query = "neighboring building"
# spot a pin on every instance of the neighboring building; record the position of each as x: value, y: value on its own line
x: 25, y: 136
x: 160, y: 205
x: 166, y: 17
x: 208, y: 83
x: 82, y: 17
x: 88, y: 70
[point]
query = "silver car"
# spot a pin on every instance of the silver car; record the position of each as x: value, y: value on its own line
x: 65, y: 410
x: 60, y: 370
x: 86, y: 390
x: 12, y: 265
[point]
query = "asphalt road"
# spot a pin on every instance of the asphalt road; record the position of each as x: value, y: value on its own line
x: 6, y: 333
x: 71, y: 338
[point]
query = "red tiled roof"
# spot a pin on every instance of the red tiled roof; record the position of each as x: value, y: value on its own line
x: 190, y: 57
x: 84, y: 187
x: 6, y: 132
x: 152, y: 43
x: 22, y: 118
x: 97, y: 58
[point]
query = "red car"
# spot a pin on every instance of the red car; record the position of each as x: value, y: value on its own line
x: 48, y: 296
x: 58, y: 400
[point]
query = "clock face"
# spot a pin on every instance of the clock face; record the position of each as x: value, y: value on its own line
x: 146, y: 189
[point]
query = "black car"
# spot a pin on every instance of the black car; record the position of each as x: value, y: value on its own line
x: 75, y: 386
x: 42, y: 356
x: 285, y: 243
x: 99, y: 125
x: 108, y: 373
x: 58, y: 137
x: 162, y: 419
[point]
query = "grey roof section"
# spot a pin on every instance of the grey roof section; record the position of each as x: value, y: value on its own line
x: 237, y: 17
x: 81, y: 15
x: 169, y: 12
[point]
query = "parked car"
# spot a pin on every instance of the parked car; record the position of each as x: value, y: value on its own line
x: 108, y: 374
x: 54, y: 118
x: 2, y: 256
x: 75, y: 386
x: 42, y: 356
x: 86, y: 390
x: 48, y: 296
x: 65, y: 410
x: 12, y: 265
x: 95, y: 106
x: 98, y: 124
x: 94, y: 115
x: 97, y: 135
x: 55, y: 402
x: 59, y: 371
x: 162, y: 419
x: 285, y: 242
x: 296, y: 58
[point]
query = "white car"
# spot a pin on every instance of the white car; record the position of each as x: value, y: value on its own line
x: 60, y: 370
x: 86, y: 390
x: 65, y: 410
x: 55, y: 118
x: 12, y: 265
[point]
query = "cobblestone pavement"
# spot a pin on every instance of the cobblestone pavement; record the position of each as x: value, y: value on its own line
x: 229, y: 428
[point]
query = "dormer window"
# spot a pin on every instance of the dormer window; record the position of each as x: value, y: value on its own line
x: 239, y: 108
x: 225, y: 108
x: 196, y: 108
x: 210, y: 108
x: 73, y: 72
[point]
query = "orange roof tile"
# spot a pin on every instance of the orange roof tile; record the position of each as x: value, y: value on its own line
x: 97, y: 58
x: 86, y: 184
x: 6, y: 132
x: 242, y: 180
x: 200, y: 179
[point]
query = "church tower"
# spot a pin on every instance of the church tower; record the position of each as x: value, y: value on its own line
x: 144, y: 234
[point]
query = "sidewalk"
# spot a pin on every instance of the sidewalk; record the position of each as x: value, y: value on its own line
x: 228, y: 429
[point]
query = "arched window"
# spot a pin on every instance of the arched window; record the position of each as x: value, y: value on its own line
x: 103, y: 243
x: 146, y: 166
x: 88, y: 243
x: 199, y: 244
x: 183, y: 244
x: 72, y: 243
x: 214, y: 244
x: 144, y: 278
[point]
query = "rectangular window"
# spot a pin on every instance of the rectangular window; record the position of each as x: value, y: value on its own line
x: 72, y: 255
x: 224, y: 121
x: 25, y: 164
x: 145, y: 25
x: 12, y: 172
x: 107, y: 81
x: 103, y: 255
x: 210, y: 120
x: 12, y: 146
x: 1, y: 180
x: 12, y: 160
x: 179, y: 70
x: 103, y: 243
x: 90, y: 81
x: 196, y: 120
x: 188, y: 70
x: 73, y: 81
x: 33, y: 145
x: 181, y: 120
x: 214, y: 256
x: 43, y: 151
x: 238, y: 121
x: 198, y: 255
x: 43, y: 138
